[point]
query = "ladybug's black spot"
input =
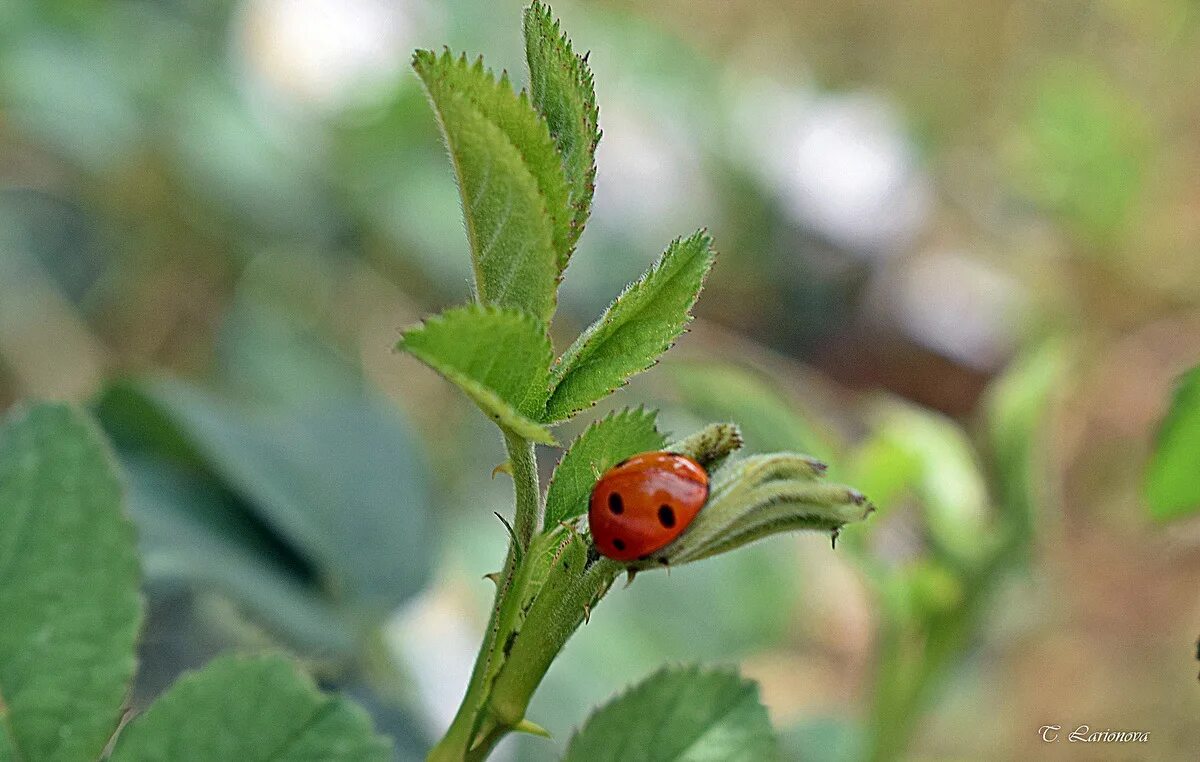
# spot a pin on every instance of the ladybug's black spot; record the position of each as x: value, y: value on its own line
x: 618, y: 543
x: 615, y: 503
x: 666, y: 516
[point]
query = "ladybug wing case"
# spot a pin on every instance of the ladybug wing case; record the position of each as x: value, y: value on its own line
x: 644, y: 503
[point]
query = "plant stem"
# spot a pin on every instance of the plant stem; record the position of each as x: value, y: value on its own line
x: 527, y: 518
x: 550, y: 623
x: 455, y: 745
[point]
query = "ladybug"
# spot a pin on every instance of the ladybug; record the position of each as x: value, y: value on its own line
x: 643, y: 503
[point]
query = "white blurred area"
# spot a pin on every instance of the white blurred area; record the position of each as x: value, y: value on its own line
x: 436, y: 641
x: 650, y: 176
x: 323, y: 56
x: 840, y: 164
x: 437, y: 644
x: 843, y: 165
x: 958, y: 306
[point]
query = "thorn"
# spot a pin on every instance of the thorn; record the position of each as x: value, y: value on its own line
x: 587, y: 613
x: 532, y: 728
x: 833, y: 537
x: 511, y: 532
x: 503, y: 468
x: 629, y: 575
x: 494, y: 577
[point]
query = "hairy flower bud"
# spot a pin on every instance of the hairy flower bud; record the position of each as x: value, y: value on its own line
x: 753, y: 497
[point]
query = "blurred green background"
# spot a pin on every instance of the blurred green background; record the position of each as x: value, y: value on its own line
x: 960, y: 258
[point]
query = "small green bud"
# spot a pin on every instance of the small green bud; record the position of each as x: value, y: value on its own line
x: 711, y: 445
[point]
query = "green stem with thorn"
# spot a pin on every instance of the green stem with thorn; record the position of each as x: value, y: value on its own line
x: 456, y: 745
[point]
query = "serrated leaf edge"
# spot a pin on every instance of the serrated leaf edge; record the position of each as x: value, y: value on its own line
x: 502, y: 412
x: 555, y: 194
x: 578, y: 71
x: 566, y: 363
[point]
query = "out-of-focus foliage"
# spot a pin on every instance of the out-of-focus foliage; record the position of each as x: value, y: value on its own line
x: 1172, y: 481
x: 324, y: 505
x: 71, y: 589
x: 251, y: 195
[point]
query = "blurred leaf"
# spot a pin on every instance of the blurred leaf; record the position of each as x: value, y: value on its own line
x: 637, y: 328
x: 225, y: 152
x: 394, y: 717
x: 885, y: 469
x: 191, y: 532
x: 600, y: 447
x: 1016, y: 406
x: 1173, y: 474
x: 679, y: 714
x: 68, y: 588
x: 828, y: 739
x: 1082, y: 148
x: 935, y: 453
x: 341, y: 482
x: 562, y: 89
x: 499, y: 358
x: 515, y: 199
x: 767, y: 419
x: 273, y: 344
x: 61, y: 92
x: 250, y: 708
x: 56, y: 234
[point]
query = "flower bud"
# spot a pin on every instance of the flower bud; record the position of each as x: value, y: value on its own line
x: 711, y: 445
x: 757, y: 496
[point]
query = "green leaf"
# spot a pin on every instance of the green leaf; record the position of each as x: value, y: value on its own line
x: 636, y: 329
x: 600, y: 447
x: 679, y: 714
x: 257, y: 708
x: 934, y: 455
x: 499, y: 358
x: 191, y: 531
x: 340, y: 484
x: 1018, y: 408
x: 515, y: 198
x: 1172, y: 485
x: 562, y: 89
x: 69, y: 606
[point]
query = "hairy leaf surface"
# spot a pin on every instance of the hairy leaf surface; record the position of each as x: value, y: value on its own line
x: 514, y: 196
x: 562, y: 89
x: 637, y: 328
x: 69, y: 606
x: 499, y: 358
x: 679, y: 714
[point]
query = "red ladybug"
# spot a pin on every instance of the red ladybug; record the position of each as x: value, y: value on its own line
x: 642, y: 504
